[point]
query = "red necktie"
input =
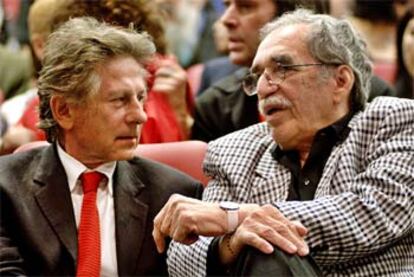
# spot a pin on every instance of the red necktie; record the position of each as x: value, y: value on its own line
x: 89, y: 240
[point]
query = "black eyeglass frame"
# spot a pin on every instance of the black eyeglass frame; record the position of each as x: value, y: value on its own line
x: 251, y: 88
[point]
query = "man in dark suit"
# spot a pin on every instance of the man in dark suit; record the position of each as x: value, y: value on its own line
x: 92, y: 90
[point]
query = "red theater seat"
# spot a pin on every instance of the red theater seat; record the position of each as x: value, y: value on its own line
x: 186, y: 156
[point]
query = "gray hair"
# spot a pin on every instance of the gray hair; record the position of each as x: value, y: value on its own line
x: 71, y: 57
x: 332, y: 40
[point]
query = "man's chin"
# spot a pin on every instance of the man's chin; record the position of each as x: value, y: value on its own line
x: 126, y: 154
x: 239, y: 58
x: 279, y: 139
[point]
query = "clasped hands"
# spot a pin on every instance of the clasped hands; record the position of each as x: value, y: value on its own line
x: 263, y: 227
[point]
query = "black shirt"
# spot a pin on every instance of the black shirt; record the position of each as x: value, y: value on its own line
x: 305, y: 180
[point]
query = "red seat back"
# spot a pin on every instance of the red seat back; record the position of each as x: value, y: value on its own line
x: 186, y: 156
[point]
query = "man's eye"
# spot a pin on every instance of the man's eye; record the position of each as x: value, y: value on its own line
x: 142, y: 98
x: 118, y: 99
x: 244, y: 8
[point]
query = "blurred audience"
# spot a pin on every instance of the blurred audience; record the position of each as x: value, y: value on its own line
x: 402, y: 6
x: 189, y: 29
x: 15, y: 64
x: 405, y: 56
x: 15, y: 72
x: 339, y: 8
x: 15, y: 13
x: 376, y: 21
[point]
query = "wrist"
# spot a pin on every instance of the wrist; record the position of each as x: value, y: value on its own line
x: 232, y: 215
x: 227, y: 253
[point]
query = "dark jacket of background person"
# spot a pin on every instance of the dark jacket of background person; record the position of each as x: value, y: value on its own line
x: 38, y: 232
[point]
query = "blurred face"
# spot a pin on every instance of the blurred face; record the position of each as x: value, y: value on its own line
x: 107, y: 127
x: 243, y: 20
x: 408, y: 47
x: 303, y: 102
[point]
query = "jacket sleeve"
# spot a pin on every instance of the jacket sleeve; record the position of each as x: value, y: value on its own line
x: 11, y: 262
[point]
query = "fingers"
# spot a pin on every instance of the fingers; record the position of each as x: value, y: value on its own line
x: 162, y: 223
x: 302, y: 231
x: 170, y: 78
x: 267, y: 226
x: 159, y: 239
x: 184, y: 219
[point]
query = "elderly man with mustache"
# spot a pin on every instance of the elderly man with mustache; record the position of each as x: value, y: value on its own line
x: 324, y: 186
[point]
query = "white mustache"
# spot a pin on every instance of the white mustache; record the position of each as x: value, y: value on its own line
x: 279, y: 101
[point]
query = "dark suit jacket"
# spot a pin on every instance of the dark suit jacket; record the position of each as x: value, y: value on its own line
x: 38, y: 234
x: 225, y: 108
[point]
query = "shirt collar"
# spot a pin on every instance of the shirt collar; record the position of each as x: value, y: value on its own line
x: 75, y: 168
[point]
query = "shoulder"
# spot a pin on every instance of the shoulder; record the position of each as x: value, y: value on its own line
x: 387, y: 107
x: 20, y: 162
x: 17, y: 171
x: 383, y: 118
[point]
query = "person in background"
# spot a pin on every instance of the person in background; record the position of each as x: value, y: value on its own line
x: 218, y: 68
x: 189, y: 29
x: 405, y: 56
x: 401, y: 7
x: 84, y: 205
x: 328, y: 178
x: 376, y: 21
x: 20, y: 131
x: 15, y: 64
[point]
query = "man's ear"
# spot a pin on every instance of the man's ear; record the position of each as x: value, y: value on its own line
x: 62, y: 111
x: 344, y: 81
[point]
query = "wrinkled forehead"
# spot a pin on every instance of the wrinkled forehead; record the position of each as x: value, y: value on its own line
x: 286, y: 44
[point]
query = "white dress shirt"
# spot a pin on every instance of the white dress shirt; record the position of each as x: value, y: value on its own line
x: 104, y: 202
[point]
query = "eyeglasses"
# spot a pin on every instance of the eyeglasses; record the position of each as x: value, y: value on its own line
x: 274, y: 76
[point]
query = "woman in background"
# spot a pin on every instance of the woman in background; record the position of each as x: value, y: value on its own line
x: 405, y: 56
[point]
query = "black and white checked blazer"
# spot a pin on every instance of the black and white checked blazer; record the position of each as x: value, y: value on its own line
x: 361, y: 222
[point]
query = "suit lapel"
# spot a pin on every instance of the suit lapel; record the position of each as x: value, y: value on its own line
x: 131, y: 213
x: 271, y: 177
x: 332, y: 164
x: 53, y: 198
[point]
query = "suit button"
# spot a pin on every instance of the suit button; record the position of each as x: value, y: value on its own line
x: 307, y: 182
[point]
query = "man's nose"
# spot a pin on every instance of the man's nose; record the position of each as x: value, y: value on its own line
x: 228, y: 17
x: 136, y: 113
x: 265, y: 86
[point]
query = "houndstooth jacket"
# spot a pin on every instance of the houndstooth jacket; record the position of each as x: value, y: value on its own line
x: 361, y: 222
